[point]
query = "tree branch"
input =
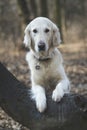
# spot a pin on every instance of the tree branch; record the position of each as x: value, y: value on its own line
x: 70, y: 113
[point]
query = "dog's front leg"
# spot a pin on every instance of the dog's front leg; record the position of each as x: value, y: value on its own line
x: 59, y: 91
x: 62, y: 87
x: 38, y: 94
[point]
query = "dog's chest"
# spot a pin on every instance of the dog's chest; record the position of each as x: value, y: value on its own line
x: 45, y: 67
x: 45, y: 73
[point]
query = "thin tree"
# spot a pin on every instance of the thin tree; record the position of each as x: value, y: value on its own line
x: 44, y: 8
x: 59, y: 16
x: 24, y: 10
x: 33, y: 7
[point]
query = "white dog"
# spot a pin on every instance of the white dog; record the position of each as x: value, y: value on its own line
x: 45, y: 61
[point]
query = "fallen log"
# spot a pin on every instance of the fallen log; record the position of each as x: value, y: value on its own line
x: 70, y: 113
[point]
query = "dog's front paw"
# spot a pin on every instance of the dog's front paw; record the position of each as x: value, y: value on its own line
x: 41, y: 104
x: 57, y: 94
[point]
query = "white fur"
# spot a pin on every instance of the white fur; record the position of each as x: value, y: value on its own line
x: 38, y: 94
x: 51, y: 72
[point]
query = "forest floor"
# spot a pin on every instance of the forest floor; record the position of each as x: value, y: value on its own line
x: 75, y: 61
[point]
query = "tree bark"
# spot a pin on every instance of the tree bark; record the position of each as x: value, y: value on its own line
x: 44, y: 8
x: 33, y: 7
x: 58, y: 12
x: 70, y: 113
x: 24, y: 10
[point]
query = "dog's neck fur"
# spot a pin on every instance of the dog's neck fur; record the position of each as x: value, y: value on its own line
x: 50, y: 54
x: 44, y: 58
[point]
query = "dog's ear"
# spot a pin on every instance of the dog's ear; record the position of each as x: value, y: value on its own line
x: 56, y: 35
x: 27, y: 38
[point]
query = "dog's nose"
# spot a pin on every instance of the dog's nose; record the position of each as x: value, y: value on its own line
x: 41, y: 46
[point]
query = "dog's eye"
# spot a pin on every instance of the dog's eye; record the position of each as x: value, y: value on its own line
x: 47, y: 30
x: 35, y: 31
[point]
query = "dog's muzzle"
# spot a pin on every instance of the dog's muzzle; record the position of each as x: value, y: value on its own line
x: 41, y: 46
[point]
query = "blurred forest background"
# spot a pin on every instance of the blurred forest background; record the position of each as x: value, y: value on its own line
x: 69, y: 15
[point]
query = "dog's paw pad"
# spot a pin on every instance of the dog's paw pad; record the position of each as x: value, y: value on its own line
x: 57, y: 95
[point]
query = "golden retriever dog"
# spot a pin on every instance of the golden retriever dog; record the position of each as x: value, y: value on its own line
x: 45, y: 61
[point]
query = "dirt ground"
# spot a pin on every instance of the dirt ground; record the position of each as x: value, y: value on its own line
x: 75, y: 62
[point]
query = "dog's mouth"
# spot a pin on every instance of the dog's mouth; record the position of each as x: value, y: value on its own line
x: 44, y: 54
x: 42, y: 51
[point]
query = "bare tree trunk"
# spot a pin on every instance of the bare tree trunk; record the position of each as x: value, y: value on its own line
x: 33, y: 7
x: 59, y: 16
x: 10, y: 23
x: 83, y: 35
x: 24, y: 9
x: 52, y: 10
x: 44, y: 8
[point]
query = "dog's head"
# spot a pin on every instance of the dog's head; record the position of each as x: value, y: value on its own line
x: 41, y: 35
